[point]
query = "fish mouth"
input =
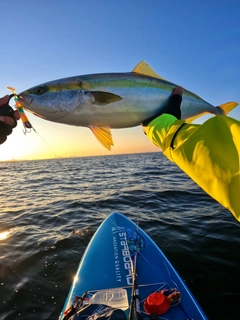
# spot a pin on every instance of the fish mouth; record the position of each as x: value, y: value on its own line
x: 25, y: 100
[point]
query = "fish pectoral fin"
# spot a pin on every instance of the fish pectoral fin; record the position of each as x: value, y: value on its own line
x: 144, y: 69
x: 227, y: 107
x: 102, y: 97
x: 104, y: 136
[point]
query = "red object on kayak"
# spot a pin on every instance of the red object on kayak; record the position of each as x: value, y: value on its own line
x: 156, y: 303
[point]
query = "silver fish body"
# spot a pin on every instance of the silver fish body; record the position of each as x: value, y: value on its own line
x: 109, y: 100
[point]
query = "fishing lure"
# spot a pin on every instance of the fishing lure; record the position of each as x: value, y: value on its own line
x: 24, y: 118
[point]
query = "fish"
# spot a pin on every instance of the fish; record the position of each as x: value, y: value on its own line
x: 108, y: 101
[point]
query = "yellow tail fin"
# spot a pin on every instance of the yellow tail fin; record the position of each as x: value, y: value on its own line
x: 227, y: 107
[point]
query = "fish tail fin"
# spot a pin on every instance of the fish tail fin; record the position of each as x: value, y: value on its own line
x: 227, y: 107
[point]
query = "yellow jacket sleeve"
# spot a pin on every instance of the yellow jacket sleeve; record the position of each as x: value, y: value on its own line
x: 208, y: 153
x: 158, y: 129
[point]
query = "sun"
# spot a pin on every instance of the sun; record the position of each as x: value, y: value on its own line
x: 13, y: 148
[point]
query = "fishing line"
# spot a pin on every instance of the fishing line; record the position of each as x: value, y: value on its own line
x: 28, y: 125
x: 58, y: 159
x: 55, y: 155
x: 27, y: 128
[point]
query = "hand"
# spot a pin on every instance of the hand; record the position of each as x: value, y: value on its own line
x: 8, y: 118
x: 172, y: 108
x: 178, y: 91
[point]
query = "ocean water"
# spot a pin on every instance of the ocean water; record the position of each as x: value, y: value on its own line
x: 50, y: 209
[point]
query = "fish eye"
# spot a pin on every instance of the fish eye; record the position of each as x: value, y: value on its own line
x: 40, y: 90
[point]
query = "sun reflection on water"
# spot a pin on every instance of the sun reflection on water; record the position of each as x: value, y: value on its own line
x: 4, y: 235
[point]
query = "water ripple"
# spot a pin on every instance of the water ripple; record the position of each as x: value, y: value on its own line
x: 50, y: 209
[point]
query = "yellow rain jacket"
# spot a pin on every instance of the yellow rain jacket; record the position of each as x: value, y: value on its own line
x: 208, y: 153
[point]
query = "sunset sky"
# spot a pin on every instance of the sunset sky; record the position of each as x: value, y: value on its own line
x: 192, y: 43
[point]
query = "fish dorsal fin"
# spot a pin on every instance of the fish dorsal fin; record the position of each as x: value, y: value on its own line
x: 144, y: 69
x: 104, y: 136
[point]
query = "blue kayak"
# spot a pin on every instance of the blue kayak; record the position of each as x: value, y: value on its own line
x: 123, y: 270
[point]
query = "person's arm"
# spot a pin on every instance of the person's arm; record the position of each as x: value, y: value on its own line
x: 8, y: 118
x: 173, y: 106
